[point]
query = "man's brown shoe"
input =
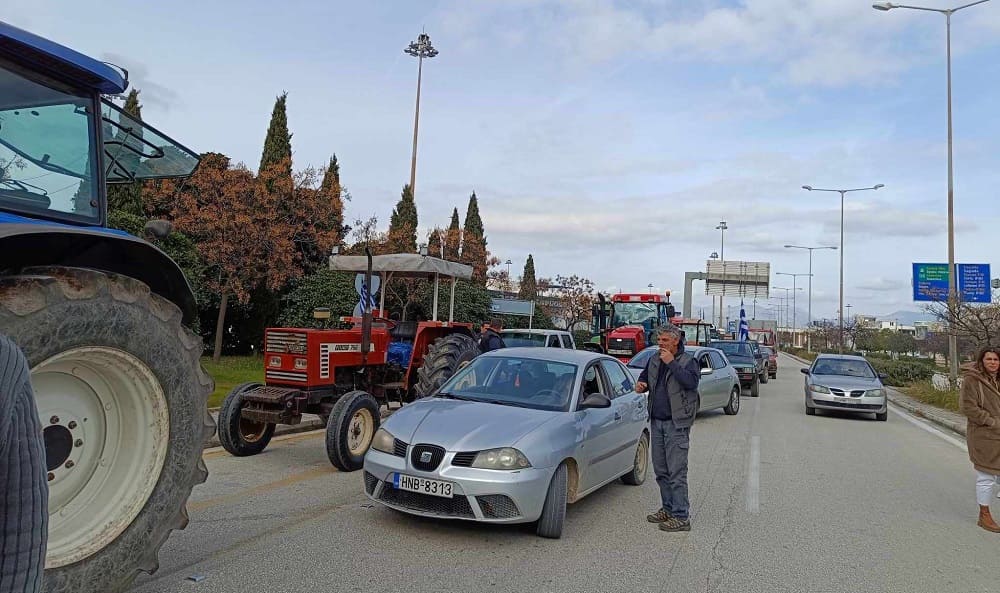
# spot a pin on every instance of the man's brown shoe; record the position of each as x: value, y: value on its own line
x: 660, y: 516
x: 986, y: 519
x: 675, y: 524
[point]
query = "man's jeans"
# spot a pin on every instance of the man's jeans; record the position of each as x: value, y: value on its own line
x: 670, y: 463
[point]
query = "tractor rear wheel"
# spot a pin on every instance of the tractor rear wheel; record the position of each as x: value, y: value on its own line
x: 121, y: 396
x: 353, y: 422
x: 240, y: 436
x: 444, y: 357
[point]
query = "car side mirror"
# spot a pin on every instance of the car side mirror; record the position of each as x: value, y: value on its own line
x: 706, y: 371
x: 882, y: 376
x: 596, y: 400
x: 804, y: 371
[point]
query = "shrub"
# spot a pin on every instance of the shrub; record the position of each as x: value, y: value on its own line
x: 902, y: 372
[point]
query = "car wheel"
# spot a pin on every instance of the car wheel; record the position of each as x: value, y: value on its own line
x: 641, y: 464
x: 763, y: 378
x: 882, y: 416
x: 755, y: 388
x: 550, y: 524
x: 733, y: 407
x: 810, y: 411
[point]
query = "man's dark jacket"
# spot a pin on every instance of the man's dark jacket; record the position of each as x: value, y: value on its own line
x: 681, y: 386
x: 490, y: 340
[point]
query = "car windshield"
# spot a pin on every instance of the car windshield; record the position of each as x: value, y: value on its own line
x: 514, y: 381
x: 767, y: 350
x: 734, y: 349
x: 847, y: 368
x: 640, y: 360
x: 513, y: 339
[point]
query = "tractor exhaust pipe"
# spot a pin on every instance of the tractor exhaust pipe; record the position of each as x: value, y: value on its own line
x: 366, y: 315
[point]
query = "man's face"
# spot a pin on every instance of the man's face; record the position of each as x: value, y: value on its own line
x: 486, y: 326
x: 667, y: 342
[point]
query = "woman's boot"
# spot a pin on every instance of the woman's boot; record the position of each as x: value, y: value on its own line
x: 986, y: 520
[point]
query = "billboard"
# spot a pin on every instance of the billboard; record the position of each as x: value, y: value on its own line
x: 930, y: 282
x: 512, y: 307
x: 748, y: 279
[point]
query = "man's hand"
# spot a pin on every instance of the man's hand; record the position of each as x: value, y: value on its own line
x: 641, y: 387
x: 666, y: 356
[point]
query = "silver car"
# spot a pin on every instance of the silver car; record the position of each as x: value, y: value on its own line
x: 512, y: 438
x: 719, y: 386
x: 846, y: 383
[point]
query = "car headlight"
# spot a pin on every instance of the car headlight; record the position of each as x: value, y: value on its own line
x: 503, y: 458
x: 819, y: 389
x: 383, y: 441
x: 875, y: 393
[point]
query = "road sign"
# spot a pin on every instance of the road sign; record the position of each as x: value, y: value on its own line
x: 749, y: 279
x: 930, y: 282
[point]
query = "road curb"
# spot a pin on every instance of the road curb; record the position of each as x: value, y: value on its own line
x: 924, y: 411
x: 307, y: 424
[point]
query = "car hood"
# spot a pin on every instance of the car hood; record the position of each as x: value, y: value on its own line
x: 844, y: 382
x: 464, y: 426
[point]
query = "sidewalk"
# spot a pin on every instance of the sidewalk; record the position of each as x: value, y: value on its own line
x: 947, y: 419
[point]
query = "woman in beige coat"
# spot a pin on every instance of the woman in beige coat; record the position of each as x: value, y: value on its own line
x: 980, y: 402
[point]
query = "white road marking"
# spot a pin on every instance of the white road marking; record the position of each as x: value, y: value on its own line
x: 753, y: 476
x: 925, y: 426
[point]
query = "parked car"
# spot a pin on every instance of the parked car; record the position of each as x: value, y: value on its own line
x: 741, y: 356
x: 552, y: 338
x: 761, y: 358
x: 719, y: 386
x: 772, y: 361
x: 846, y: 383
x: 512, y: 438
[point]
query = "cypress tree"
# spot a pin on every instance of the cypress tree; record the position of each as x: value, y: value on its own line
x: 332, y: 188
x: 473, y: 222
x: 474, y: 252
x: 278, y: 142
x: 403, y: 223
x: 453, y: 238
x: 434, y: 246
x: 529, y: 285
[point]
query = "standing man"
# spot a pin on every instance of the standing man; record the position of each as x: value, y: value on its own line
x: 672, y: 381
x: 489, y: 339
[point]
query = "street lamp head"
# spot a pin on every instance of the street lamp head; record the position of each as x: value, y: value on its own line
x: 807, y: 187
x: 878, y: 186
x: 883, y: 6
x: 715, y: 255
x: 421, y: 48
x: 508, y: 262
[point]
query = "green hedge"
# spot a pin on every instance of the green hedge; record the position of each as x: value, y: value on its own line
x: 902, y: 372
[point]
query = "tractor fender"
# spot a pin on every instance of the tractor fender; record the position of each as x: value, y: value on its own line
x: 35, y: 243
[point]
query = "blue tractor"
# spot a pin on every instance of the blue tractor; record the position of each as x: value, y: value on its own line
x: 100, y: 315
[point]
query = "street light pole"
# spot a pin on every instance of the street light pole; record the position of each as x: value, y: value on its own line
x: 420, y: 49
x: 508, y: 262
x: 794, y: 289
x: 840, y: 348
x: 811, y: 249
x: 952, y: 287
x: 722, y: 257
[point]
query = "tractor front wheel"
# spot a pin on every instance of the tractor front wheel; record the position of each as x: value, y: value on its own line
x: 444, y: 358
x: 353, y: 423
x: 240, y: 436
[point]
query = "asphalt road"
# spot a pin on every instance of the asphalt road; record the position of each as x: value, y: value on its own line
x: 781, y: 502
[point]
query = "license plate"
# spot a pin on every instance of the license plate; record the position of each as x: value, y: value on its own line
x: 613, y: 351
x: 422, y: 485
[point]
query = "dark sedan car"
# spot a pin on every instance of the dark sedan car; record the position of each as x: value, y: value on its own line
x: 743, y: 359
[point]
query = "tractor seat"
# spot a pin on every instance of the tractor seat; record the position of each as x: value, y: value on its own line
x: 404, y: 331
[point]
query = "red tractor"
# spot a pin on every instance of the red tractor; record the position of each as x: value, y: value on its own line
x: 625, y: 326
x: 346, y: 375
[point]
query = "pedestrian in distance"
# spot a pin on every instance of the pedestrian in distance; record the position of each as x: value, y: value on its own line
x: 671, y: 378
x: 979, y: 401
x: 489, y: 339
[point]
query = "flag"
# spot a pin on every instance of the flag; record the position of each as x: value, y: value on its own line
x: 744, y: 325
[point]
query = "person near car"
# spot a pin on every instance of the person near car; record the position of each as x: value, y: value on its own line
x: 671, y: 378
x: 490, y: 339
x: 979, y: 401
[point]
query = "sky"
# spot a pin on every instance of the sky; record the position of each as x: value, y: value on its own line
x: 607, y: 139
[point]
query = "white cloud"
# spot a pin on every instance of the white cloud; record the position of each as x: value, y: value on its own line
x: 882, y: 284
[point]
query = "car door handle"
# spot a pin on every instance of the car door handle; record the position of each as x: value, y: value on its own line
x: 618, y: 416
